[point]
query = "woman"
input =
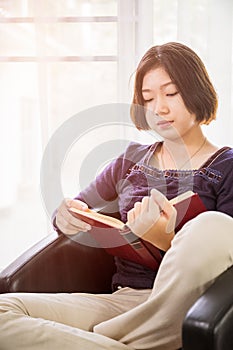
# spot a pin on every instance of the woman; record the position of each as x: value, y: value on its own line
x: 173, y: 96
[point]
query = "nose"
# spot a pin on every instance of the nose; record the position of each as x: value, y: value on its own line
x: 161, y: 107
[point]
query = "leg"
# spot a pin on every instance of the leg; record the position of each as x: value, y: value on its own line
x: 54, y: 321
x: 201, y: 251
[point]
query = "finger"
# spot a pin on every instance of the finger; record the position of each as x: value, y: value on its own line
x: 143, y: 221
x: 154, y: 210
x: 65, y: 220
x: 72, y: 219
x: 76, y: 222
x: 137, y: 209
x: 76, y: 203
x: 162, y: 202
x: 134, y: 219
x: 65, y: 227
x: 68, y: 222
x: 131, y: 216
x: 145, y: 204
x: 168, y: 209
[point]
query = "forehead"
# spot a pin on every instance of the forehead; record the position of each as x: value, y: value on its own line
x: 156, y: 78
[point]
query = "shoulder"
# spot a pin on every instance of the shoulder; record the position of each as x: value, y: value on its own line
x: 222, y: 162
x: 228, y: 152
x: 223, y: 156
x: 135, y: 151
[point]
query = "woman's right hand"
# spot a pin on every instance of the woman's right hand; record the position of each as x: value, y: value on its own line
x: 153, y: 219
x: 66, y: 222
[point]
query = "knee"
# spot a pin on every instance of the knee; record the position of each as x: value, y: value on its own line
x: 215, y: 221
x: 208, y: 228
x: 205, y: 243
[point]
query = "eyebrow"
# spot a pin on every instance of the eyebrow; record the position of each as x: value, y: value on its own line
x: 161, y: 87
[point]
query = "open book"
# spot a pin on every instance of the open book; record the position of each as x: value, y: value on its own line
x: 116, y: 238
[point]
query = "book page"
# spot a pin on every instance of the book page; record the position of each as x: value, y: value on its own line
x: 105, y: 219
x: 181, y: 197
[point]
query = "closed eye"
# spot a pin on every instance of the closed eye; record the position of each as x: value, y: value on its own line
x: 173, y: 94
x: 149, y: 100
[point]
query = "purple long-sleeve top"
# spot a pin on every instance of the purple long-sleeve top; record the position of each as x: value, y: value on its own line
x: 130, y: 177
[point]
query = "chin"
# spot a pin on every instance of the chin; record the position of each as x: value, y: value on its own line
x: 169, y: 135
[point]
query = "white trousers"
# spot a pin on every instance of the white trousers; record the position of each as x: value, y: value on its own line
x: 129, y: 318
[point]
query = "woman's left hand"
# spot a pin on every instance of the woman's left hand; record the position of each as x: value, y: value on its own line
x: 153, y: 219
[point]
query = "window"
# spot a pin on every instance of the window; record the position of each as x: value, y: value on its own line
x: 57, y: 58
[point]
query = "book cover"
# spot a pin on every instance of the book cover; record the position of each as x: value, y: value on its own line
x: 188, y: 205
x: 116, y: 238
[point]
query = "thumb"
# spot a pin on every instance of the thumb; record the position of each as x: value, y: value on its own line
x: 167, y: 208
x: 76, y: 203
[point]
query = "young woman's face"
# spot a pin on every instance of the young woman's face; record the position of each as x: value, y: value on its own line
x: 165, y: 109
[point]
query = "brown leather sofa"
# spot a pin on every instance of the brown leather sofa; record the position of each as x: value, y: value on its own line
x: 60, y: 264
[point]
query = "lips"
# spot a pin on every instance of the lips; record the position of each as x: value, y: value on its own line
x: 164, y: 123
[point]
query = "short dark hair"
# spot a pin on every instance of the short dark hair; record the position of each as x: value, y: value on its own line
x: 187, y: 72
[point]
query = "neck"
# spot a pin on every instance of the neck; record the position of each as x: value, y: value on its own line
x: 180, y: 153
x: 189, y: 141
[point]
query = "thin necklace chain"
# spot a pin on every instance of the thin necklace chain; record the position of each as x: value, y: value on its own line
x: 189, y: 159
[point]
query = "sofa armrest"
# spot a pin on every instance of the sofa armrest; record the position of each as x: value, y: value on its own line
x: 59, y: 264
x: 208, y: 324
